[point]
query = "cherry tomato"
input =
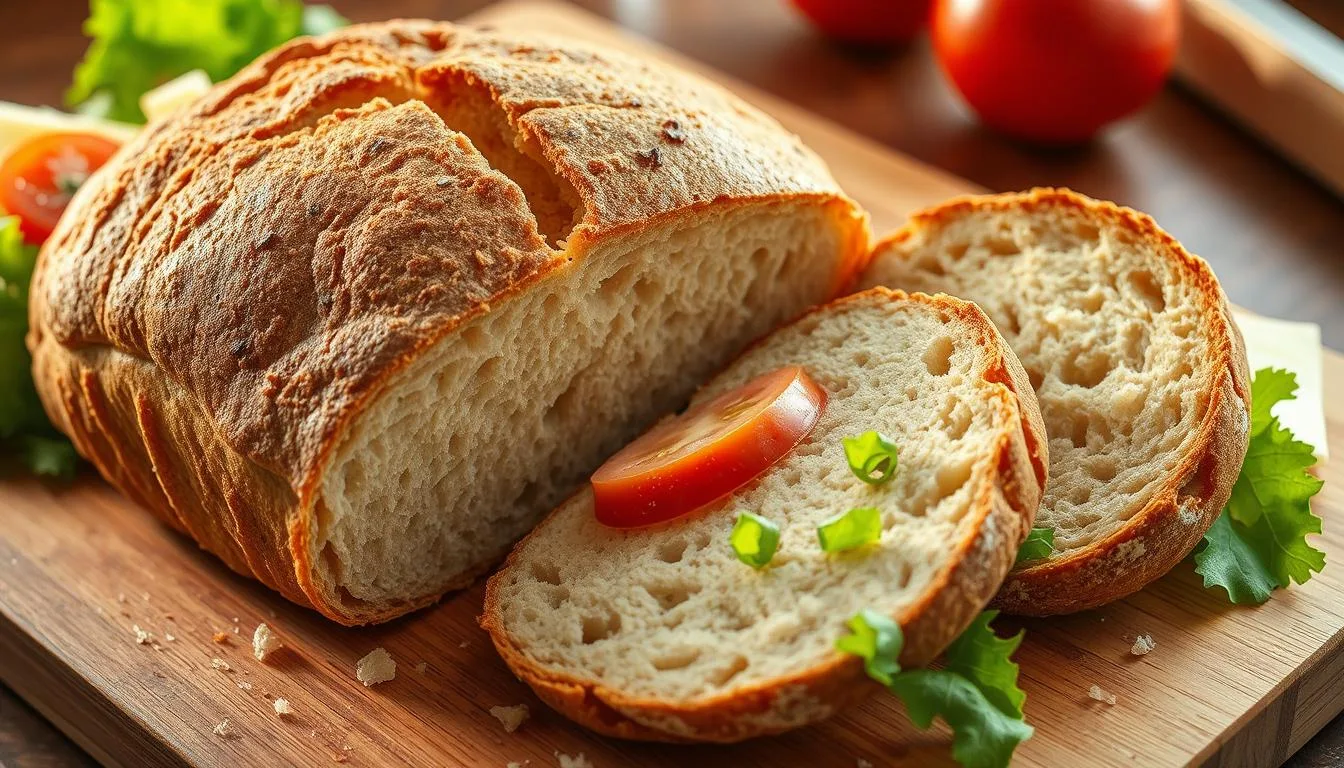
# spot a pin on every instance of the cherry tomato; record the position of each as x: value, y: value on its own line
x: 867, y: 22
x: 710, y: 450
x: 1055, y: 71
x: 40, y: 175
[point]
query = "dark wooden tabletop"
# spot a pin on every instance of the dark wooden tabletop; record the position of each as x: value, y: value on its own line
x: 1274, y: 237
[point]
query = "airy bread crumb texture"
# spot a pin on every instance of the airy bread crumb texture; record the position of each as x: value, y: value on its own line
x: 670, y: 613
x: 1110, y: 337
x: 220, y: 665
x: 510, y: 717
x: 376, y: 667
x: 481, y: 436
x: 224, y: 729
x: 264, y: 642
x: 282, y: 708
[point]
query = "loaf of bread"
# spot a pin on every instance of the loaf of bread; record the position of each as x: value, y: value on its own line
x: 661, y: 633
x: 1139, y: 369
x: 359, y: 316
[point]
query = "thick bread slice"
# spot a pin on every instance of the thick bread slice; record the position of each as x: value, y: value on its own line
x: 360, y: 316
x: 1138, y: 366
x: 663, y: 634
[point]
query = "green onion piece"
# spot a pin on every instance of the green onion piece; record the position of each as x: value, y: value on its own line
x: 850, y: 530
x: 754, y: 539
x: 877, y: 639
x: 872, y: 457
x: 1039, y: 544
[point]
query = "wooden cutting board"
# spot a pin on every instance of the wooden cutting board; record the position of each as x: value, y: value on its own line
x: 81, y: 568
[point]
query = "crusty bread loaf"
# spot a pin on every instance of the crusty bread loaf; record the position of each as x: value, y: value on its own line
x: 661, y: 633
x: 1138, y: 366
x: 358, y: 317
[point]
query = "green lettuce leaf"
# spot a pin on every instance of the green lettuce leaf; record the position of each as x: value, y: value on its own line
x: 25, y: 434
x: 976, y: 693
x: 137, y: 45
x: 1259, y: 542
x: 1039, y: 544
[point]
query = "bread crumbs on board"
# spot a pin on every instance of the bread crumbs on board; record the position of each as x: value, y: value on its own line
x: 220, y: 638
x: 377, y: 667
x: 264, y: 642
x: 1096, y: 692
x: 282, y: 707
x: 1142, y: 645
x: 223, y: 729
x: 141, y: 636
x: 221, y: 665
x: 422, y: 667
x: 510, y: 717
x: 576, y: 761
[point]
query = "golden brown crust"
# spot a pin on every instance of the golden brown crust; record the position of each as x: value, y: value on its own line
x: 232, y: 289
x: 1004, y: 508
x: 1158, y: 537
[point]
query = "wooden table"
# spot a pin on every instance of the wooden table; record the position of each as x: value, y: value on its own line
x: 1273, y: 236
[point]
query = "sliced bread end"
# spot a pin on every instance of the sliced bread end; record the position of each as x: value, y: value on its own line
x: 1138, y: 366
x: 661, y: 634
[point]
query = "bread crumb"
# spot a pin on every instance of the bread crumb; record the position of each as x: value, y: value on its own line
x: 464, y: 644
x: 376, y: 667
x: 170, y: 637
x: 517, y: 765
x: 264, y: 642
x: 220, y: 638
x: 121, y: 597
x: 864, y: 763
x: 1142, y: 645
x: 221, y: 665
x: 1097, y: 693
x: 421, y: 667
x: 282, y: 707
x: 223, y: 729
x: 235, y: 619
x: 235, y: 631
x: 144, y: 596
x: 243, y: 685
x: 141, y: 636
x: 577, y: 761
x: 510, y: 717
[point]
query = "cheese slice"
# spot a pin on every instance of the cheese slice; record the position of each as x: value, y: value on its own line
x: 1295, y: 347
x: 174, y: 94
x: 19, y: 121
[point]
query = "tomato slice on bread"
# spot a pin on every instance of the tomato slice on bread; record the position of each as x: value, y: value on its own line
x: 40, y: 175
x: 707, y: 452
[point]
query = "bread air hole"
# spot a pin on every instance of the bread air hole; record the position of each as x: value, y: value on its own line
x: 1084, y: 370
x: 597, y: 628
x: 721, y: 677
x: 677, y: 659
x: 1147, y: 289
x: 938, y: 357
x: 547, y: 573
x: 672, y: 550
x: 670, y: 595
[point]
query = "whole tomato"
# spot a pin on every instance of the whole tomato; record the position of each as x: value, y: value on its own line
x: 1055, y: 71
x: 867, y: 22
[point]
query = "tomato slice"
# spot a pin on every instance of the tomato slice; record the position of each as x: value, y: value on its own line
x: 40, y: 175
x: 707, y: 452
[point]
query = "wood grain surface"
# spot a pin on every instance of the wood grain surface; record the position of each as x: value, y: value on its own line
x: 1230, y: 685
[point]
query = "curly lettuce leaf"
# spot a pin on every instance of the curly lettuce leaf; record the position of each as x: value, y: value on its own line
x: 976, y: 693
x: 1259, y: 542
x: 139, y: 44
x: 25, y: 434
x: 1039, y: 544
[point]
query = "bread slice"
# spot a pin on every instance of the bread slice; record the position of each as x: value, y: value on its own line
x: 360, y: 316
x: 662, y: 634
x: 1138, y: 366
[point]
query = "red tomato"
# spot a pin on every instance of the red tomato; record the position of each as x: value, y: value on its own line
x: 1056, y: 71
x: 710, y: 450
x: 39, y: 176
x: 867, y: 22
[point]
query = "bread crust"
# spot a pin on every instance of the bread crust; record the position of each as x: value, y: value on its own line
x: 234, y: 288
x: 1175, y: 519
x: 1004, y: 505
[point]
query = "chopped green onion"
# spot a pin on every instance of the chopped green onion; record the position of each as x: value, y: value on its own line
x: 877, y: 639
x: 1039, y: 544
x: 754, y: 539
x: 872, y: 457
x: 850, y: 530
